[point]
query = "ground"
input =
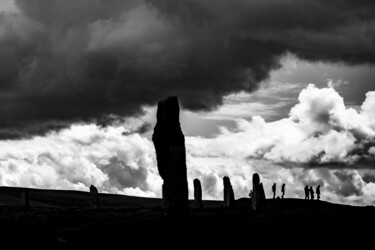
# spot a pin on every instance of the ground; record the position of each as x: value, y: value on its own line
x: 64, y: 218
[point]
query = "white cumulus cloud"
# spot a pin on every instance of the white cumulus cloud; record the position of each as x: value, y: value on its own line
x: 322, y: 142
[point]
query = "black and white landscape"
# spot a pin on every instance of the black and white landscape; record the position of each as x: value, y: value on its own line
x: 119, y: 115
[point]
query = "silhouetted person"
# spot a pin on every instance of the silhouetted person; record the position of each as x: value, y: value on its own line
x: 274, y: 190
x: 283, y: 191
x: 307, y: 192
x: 318, y: 192
x: 311, y: 193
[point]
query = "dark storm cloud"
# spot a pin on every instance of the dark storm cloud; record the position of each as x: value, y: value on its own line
x: 141, y: 129
x: 80, y: 60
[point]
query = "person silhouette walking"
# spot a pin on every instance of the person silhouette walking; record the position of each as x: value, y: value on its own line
x: 283, y: 191
x: 311, y: 193
x: 318, y: 192
x: 274, y: 190
x: 307, y: 192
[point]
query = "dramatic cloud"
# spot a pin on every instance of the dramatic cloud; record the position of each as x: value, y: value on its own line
x: 82, y: 155
x: 322, y: 142
x: 320, y: 131
x: 111, y: 158
x: 81, y: 60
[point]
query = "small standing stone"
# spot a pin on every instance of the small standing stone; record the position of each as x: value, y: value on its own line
x: 94, y: 197
x: 262, y: 195
x: 228, y: 192
x: 255, y: 193
x: 25, y: 200
x: 198, y: 193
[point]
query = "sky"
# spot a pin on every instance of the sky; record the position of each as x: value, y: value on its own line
x: 283, y: 88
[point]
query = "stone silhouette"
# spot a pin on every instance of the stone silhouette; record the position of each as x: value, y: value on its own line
x: 283, y: 191
x: 255, y: 193
x: 307, y: 192
x: 169, y: 143
x: 311, y: 193
x: 262, y: 195
x: 274, y: 190
x: 25, y: 199
x: 258, y: 196
x: 94, y: 197
x: 318, y: 192
x: 198, y: 193
x: 228, y: 193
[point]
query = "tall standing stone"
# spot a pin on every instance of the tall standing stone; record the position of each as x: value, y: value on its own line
x: 255, y: 193
x: 94, y: 197
x: 198, y: 193
x: 169, y: 143
x: 228, y: 192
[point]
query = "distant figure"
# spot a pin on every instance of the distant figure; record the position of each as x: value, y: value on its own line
x: 274, y: 190
x: 318, y: 192
x: 283, y: 190
x: 307, y: 192
x: 311, y: 193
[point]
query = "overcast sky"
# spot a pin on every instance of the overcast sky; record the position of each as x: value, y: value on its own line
x: 279, y: 87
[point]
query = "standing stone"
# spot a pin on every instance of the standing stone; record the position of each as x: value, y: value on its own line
x: 228, y: 193
x: 94, y: 197
x: 169, y: 143
x: 262, y: 195
x: 258, y: 195
x: 198, y: 193
x: 25, y: 200
x: 255, y: 193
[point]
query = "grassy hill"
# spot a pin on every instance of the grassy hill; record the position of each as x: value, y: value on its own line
x: 57, y: 217
x: 11, y: 196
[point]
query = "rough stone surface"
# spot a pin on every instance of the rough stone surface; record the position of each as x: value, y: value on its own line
x: 169, y: 143
x: 198, y: 193
x: 94, y: 197
x: 228, y: 193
